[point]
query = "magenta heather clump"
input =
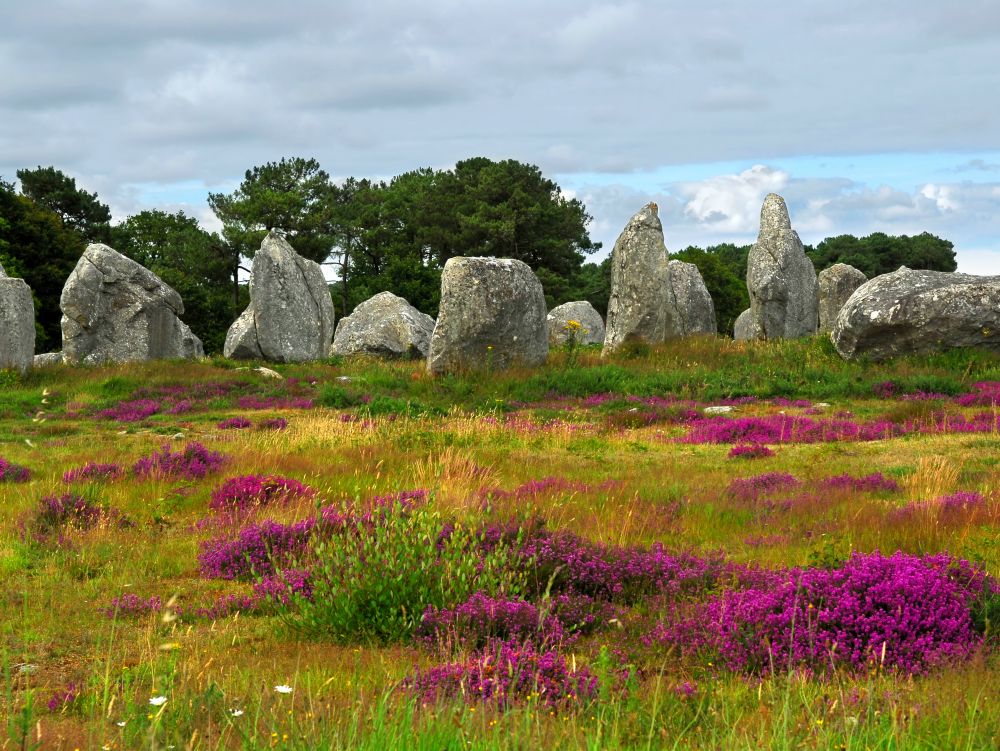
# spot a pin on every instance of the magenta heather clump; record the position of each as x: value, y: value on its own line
x: 955, y: 507
x: 62, y: 698
x: 56, y: 514
x: 249, y: 491
x: 10, y: 472
x: 235, y: 423
x: 901, y: 612
x: 758, y: 486
x: 750, y: 451
x: 131, y: 605
x: 273, y: 423
x: 983, y: 394
x: 872, y: 483
x: 790, y: 429
x: 93, y: 471
x: 131, y: 411
x: 193, y: 462
x: 258, y: 550
x: 505, y: 673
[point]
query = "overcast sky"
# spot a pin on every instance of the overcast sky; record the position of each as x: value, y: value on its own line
x: 865, y: 116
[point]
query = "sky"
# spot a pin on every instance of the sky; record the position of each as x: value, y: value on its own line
x: 865, y: 116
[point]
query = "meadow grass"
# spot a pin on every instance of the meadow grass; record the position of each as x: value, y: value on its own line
x: 593, y: 448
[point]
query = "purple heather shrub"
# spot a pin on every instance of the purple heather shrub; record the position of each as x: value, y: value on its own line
x: 273, y: 423
x: 565, y: 563
x: 250, y: 491
x: 63, y: 698
x: 873, y: 483
x: 781, y: 401
x: 193, y: 462
x: 759, y: 486
x: 10, y: 472
x: 750, y: 451
x: 284, y: 586
x: 947, y: 508
x: 596, y: 400
x: 900, y: 612
x: 131, y: 411
x: 55, y: 515
x: 984, y: 394
x: 180, y: 407
x: 274, y: 402
x: 482, y: 619
x: 505, y: 673
x: 885, y: 389
x: 789, y: 429
x: 130, y: 605
x: 258, y: 550
x: 235, y: 423
x: 93, y: 471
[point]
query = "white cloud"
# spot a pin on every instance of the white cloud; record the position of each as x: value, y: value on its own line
x: 731, y: 203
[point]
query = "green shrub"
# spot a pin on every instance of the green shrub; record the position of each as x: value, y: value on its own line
x: 374, y: 582
x: 391, y: 405
x: 336, y: 397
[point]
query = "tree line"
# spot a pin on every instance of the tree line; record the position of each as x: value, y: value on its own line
x: 377, y: 235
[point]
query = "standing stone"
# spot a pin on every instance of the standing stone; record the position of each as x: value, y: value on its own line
x: 290, y: 316
x: 385, y: 325
x: 689, y: 305
x: 637, y: 307
x: 115, y: 310
x: 910, y: 311
x: 492, y: 316
x: 47, y: 360
x: 591, y: 329
x: 780, y: 278
x: 836, y: 284
x: 17, y: 323
x: 743, y: 329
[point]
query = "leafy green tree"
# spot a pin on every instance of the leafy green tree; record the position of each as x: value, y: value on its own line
x: 38, y: 247
x: 292, y: 195
x: 194, y: 262
x: 79, y: 210
x: 879, y: 253
x: 727, y: 288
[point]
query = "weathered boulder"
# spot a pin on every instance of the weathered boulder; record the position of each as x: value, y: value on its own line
x: 637, y: 307
x: 689, y: 306
x: 385, y: 325
x: 836, y: 285
x: 492, y: 316
x: 17, y: 323
x: 47, y: 360
x: 591, y: 330
x: 115, y: 310
x: 290, y: 316
x: 743, y: 329
x: 780, y: 278
x: 911, y: 311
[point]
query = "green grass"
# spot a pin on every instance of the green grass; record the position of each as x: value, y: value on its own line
x: 390, y: 427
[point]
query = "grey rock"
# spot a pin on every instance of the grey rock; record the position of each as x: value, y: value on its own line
x: 780, y: 278
x: 591, y: 324
x: 637, y: 306
x: 911, y: 311
x: 17, y: 324
x: 743, y: 327
x: 385, y: 325
x: 241, y: 339
x: 836, y: 285
x: 689, y: 305
x: 115, y: 310
x: 49, y: 359
x: 492, y: 316
x: 290, y: 317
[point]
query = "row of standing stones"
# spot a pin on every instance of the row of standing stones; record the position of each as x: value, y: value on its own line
x: 493, y: 312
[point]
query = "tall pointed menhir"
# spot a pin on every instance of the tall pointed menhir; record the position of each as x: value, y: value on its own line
x: 781, y: 279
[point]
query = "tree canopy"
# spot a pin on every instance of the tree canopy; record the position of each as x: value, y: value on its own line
x: 879, y: 253
x: 293, y: 195
x: 79, y: 210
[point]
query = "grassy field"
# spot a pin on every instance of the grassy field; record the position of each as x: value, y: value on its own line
x: 708, y: 544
